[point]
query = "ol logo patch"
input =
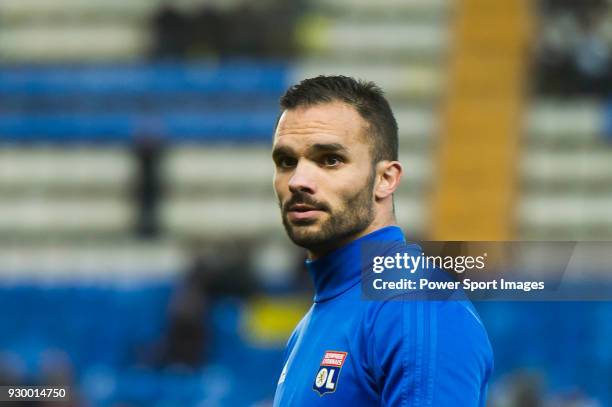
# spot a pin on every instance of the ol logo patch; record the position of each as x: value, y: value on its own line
x: 326, y: 380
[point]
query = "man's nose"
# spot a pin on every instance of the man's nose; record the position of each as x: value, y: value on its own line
x: 302, y: 179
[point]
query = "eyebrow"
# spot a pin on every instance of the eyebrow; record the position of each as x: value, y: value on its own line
x: 330, y: 148
x: 282, y: 150
x: 317, y: 147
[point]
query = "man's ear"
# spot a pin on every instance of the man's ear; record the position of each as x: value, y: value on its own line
x: 388, y: 176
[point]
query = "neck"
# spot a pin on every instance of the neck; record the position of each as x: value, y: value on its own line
x: 315, y: 253
x: 342, y: 269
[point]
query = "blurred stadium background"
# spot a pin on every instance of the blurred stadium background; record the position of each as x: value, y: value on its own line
x: 142, y: 260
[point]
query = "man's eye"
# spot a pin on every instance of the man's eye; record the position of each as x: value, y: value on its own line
x: 332, y: 160
x: 287, y: 162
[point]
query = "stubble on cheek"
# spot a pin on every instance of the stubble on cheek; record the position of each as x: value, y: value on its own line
x: 353, y: 215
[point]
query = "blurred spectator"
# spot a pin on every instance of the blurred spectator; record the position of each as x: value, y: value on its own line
x: 148, y: 152
x: 220, y: 270
x: 56, y: 369
x: 573, y: 399
x: 575, y: 48
x: 521, y: 389
x: 12, y: 369
x: 262, y: 30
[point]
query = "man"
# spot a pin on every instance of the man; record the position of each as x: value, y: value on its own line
x: 336, y: 169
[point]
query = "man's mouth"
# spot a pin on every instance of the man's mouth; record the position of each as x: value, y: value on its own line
x: 303, y: 212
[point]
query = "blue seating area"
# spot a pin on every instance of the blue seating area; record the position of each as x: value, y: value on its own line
x: 242, y: 78
x: 207, y: 102
x: 102, y: 329
x: 90, y: 322
x: 104, y: 128
x: 568, y: 342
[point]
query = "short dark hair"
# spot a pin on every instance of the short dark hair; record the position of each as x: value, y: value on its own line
x: 366, y: 97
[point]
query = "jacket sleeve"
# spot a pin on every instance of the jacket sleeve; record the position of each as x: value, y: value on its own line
x: 429, y: 353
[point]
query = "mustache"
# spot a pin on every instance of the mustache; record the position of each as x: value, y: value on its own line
x: 304, y: 199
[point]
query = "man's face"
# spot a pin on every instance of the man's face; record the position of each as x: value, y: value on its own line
x: 323, y: 174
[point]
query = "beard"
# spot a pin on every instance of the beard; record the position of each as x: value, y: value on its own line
x: 354, y: 216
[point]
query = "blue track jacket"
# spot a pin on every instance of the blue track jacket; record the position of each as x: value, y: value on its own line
x: 350, y: 351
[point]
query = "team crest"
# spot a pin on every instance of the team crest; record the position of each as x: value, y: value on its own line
x: 327, y: 376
